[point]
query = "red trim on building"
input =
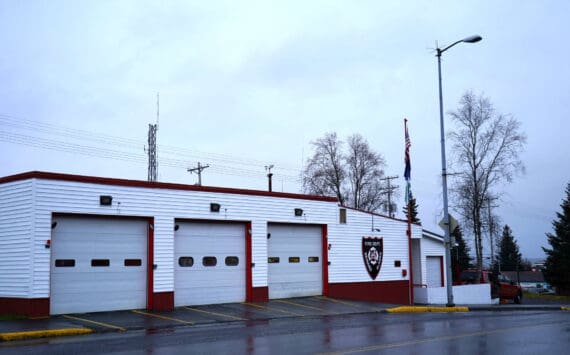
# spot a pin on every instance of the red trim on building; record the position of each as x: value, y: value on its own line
x: 248, y: 263
x: 29, y: 307
x: 259, y: 294
x: 324, y: 229
x: 163, y: 301
x: 395, y: 292
x: 156, y: 185
x: 150, y: 266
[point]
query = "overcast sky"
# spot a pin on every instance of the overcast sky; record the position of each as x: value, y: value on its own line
x: 244, y: 84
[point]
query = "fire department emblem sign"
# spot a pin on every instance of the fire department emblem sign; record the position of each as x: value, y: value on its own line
x: 372, y: 252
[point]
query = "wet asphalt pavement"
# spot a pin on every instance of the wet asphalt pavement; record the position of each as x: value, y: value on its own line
x: 528, y: 332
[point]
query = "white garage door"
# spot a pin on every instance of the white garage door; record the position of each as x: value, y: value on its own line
x: 434, y: 271
x: 295, y: 261
x: 209, y: 263
x: 98, y: 264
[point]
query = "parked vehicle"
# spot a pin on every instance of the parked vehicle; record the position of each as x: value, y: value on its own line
x: 504, y: 287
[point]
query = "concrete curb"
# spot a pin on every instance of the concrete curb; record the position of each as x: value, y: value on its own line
x: 47, y: 333
x: 424, y: 309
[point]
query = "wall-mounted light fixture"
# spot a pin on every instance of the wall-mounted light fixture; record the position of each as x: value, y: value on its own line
x: 298, y: 212
x: 176, y: 227
x: 215, y: 207
x: 105, y: 200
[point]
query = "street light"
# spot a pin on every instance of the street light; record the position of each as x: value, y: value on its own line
x: 447, y: 242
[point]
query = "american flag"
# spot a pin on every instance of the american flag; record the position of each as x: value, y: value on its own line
x: 408, y: 169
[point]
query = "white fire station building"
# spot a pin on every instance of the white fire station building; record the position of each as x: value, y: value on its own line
x: 74, y: 244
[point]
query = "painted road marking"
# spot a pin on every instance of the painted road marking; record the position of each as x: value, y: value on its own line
x: 121, y: 329
x: 348, y: 303
x: 428, y: 340
x: 163, y: 317
x: 300, y: 305
x: 44, y: 333
x: 214, y: 313
x: 272, y: 309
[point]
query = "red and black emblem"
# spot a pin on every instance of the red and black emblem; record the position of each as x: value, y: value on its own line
x: 372, y: 252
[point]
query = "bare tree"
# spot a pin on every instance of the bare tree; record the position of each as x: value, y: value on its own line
x: 325, y: 172
x: 364, y: 172
x: 353, y: 177
x: 486, y: 149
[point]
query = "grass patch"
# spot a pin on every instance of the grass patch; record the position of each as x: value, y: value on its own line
x: 539, y: 296
x: 11, y: 317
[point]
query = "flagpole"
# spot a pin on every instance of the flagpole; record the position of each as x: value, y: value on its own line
x: 408, y: 199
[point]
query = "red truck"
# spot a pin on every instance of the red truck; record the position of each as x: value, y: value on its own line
x: 507, y: 289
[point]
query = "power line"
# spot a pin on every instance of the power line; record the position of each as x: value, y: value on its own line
x: 58, y: 130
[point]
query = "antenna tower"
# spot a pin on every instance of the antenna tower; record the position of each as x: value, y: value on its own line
x: 152, y: 158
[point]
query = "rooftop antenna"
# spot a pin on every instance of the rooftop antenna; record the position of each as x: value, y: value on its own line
x: 152, y: 156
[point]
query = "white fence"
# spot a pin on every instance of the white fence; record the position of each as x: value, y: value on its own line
x: 462, y: 295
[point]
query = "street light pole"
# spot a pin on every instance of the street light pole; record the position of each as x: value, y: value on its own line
x: 447, y: 232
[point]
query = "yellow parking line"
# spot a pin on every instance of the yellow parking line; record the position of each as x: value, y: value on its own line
x: 121, y: 329
x: 348, y: 303
x: 163, y: 317
x: 341, y: 302
x: 214, y: 313
x: 300, y: 305
x: 272, y: 309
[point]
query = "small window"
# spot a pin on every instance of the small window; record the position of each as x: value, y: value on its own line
x: 186, y: 261
x: 100, y: 262
x: 209, y: 261
x: 294, y: 259
x: 133, y: 262
x: 397, y: 263
x: 232, y: 261
x: 273, y: 260
x: 313, y: 259
x: 342, y: 216
x: 64, y: 262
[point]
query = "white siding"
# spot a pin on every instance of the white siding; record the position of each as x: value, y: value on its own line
x: 417, y: 261
x: 345, y: 254
x: 16, y: 224
x: 32, y: 202
x: 431, y: 247
x: 165, y: 205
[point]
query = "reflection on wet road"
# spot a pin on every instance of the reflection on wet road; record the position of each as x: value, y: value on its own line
x: 426, y: 333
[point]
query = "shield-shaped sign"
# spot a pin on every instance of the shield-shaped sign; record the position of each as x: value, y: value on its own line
x: 372, y: 252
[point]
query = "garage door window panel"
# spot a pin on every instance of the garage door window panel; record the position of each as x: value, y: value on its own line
x: 100, y: 262
x: 133, y: 262
x: 232, y: 261
x: 186, y: 261
x: 209, y: 261
x: 65, y: 263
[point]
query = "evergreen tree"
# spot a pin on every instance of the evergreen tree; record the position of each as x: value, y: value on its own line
x: 460, y: 254
x: 413, y: 210
x: 557, y: 264
x: 509, y: 255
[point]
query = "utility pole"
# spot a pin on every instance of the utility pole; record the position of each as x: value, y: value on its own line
x: 198, y: 170
x: 390, y: 189
x: 269, y: 175
x: 491, y: 228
